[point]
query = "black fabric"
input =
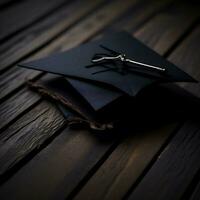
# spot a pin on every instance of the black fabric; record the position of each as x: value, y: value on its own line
x: 151, y: 108
x: 101, y: 89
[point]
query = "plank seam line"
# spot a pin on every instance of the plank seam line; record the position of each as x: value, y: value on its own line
x: 20, y: 115
x: 94, y: 34
x: 173, y: 47
x: 131, y: 9
x: 139, y: 4
x: 176, y: 44
x: 42, y: 17
x: 154, y: 159
x: 37, y: 78
x: 155, y: 13
x: 34, y: 105
x: 93, y: 170
x: 22, y: 86
x: 28, y: 55
x: 17, y: 166
x: 52, y: 39
x: 192, y: 186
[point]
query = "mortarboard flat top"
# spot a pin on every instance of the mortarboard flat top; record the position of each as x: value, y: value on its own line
x: 101, y: 88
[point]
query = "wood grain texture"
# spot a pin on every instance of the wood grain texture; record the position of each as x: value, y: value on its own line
x: 136, y: 17
x: 59, y: 167
x: 23, y: 14
x: 175, y: 168
x: 74, y: 36
x: 10, y: 112
x: 163, y: 38
x: 63, y: 191
x: 12, y: 108
x: 44, y: 31
x: 126, y: 164
x: 28, y: 133
x: 66, y: 164
x: 189, y: 60
x: 17, y: 76
x: 25, y: 105
x: 179, y: 162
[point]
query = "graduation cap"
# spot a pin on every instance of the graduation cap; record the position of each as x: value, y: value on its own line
x: 117, y: 66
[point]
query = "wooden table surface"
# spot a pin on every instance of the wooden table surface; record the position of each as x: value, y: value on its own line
x: 41, y: 157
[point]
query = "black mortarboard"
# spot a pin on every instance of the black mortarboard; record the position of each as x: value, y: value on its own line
x: 101, y: 83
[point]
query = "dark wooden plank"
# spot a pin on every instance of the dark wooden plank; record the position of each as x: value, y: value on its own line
x: 175, y: 168
x: 15, y: 49
x: 72, y: 155
x: 184, y: 14
x: 126, y: 164
x: 9, y: 112
x: 92, y: 151
x: 178, y: 164
x: 44, y: 31
x: 74, y: 36
x: 108, y: 18
x: 30, y: 131
x: 23, y: 14
x: 190, y: 62
x: 14, y: 79
x: 16, y: 76
x: 136, y: 17
x: 10, y: 109
x: 61, y: 186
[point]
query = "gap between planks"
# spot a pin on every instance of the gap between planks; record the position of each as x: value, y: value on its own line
x: 12, y: 80
x: 115, y: 191
x: 24, y: 14
x: 108, y: 15
x: 45, y: 31
x: 183, y: 151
